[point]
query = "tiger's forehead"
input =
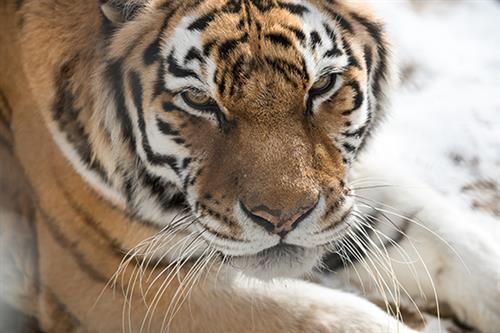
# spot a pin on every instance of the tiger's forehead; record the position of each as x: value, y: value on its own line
x: 219, y: 46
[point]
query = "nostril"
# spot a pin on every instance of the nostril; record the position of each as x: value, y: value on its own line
x: 268, y: 225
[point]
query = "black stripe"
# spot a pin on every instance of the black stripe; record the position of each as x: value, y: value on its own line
x: 153, y: 158
x: 192, y: 54
x: 186, y: 162
x: 374, y: 29
x: 5, y: 110
x: 70, y: 247
x: 6, y: 139
x: 169, y: 106
x: 357, y: 95
x: 65, y: 318
x: 334, y: 51
x: 89, y: 220
x: 115, y: 79
x: 229, y: 45
x: 356, y: 133
x: 348, y: 147
x: 222, y: 82
x: 342, y: 21
x: 237, y: 74
x: 315, y: 39
x: 237, y: 68
x: 301, y: 37
x: 164, y: 191
x: 367, y: 54
x: 178, y: 71
x: 19, y: 4
x: 165, y: 128
x: 232, y: 6
x: 376, y: 32
x: 279, y: 39
x: 293, y: 8
x: 262, y: 5
x: 66, y: 114
x: 7, y: 145
x: 351, y: 59
x: 151, y: 54
x: 159, y: 85
x: 285, y: 67
x: 208, y: 47
x: 186, y: 182
x: 203, y: 22
x: 128, y: 188
x: 368, y: 125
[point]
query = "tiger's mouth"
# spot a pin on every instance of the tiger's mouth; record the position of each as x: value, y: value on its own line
x: 265, y: 254
x: 281, y: 260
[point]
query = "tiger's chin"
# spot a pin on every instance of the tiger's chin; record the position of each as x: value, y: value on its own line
x: 282, y: 260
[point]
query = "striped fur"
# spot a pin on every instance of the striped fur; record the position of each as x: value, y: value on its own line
x: 115, y: 155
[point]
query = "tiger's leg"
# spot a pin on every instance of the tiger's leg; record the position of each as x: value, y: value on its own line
x: 220, y: 306
x: 436, y: 251
x: 290, y: 306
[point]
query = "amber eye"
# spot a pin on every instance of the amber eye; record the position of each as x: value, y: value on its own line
x: 323, y: 85
x: 198, y: 99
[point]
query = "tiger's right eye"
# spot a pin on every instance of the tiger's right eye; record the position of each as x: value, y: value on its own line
x: 323, y: 85
x: 198, y: 100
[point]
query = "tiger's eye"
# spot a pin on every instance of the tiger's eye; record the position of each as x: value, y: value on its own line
x: 324, y: 84
x: 321, y: 83
x: 196, y: 98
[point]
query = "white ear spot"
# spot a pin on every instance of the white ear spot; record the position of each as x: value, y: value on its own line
x: 119, y: 11
x: 112, y: 13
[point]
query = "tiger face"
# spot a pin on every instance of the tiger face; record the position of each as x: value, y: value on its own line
x: 247, y: 114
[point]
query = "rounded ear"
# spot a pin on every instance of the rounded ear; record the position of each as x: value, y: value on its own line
x: 120, y: 11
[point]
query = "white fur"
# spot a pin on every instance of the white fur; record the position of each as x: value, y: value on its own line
x: 448, y: 252
x: 324, y: 310
x: 90, y: 176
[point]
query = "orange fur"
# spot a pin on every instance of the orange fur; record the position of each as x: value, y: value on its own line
x: 82, y: 237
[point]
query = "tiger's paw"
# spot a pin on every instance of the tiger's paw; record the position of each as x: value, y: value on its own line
x: 317, y: 309
x: 473, y: 287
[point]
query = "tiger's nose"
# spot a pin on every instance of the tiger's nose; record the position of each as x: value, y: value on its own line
x: 277, y: 221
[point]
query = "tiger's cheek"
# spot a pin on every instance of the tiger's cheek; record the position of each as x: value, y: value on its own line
x: 210, y: 150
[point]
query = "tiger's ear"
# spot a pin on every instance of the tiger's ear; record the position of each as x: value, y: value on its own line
x: 120, y: 11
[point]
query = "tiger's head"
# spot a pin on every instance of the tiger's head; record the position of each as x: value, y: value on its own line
x: 246, y: 114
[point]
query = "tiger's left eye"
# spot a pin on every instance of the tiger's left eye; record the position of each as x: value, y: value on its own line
x: 198, y: 99
x: 323, y: 85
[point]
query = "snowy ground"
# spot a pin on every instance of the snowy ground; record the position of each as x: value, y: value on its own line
x: 446, y: 112
x: 445, y: 122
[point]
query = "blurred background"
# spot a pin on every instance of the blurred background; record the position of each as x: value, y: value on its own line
x: 444, y: 124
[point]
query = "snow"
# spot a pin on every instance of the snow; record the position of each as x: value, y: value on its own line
x: 445, y: 119
x: 444, y: 125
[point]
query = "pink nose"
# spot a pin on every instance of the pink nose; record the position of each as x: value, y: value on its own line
x: 277, y: 221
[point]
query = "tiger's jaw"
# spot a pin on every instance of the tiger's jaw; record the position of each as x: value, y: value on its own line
x: 281, y: 260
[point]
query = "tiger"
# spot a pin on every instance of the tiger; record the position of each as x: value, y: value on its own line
x: 198, y: 166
